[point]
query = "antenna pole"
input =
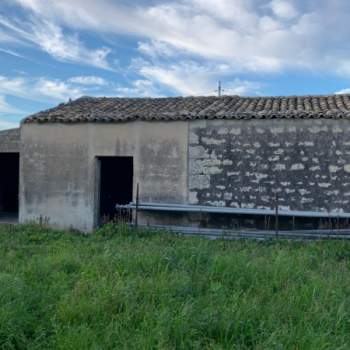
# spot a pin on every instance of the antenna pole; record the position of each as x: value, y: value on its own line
x: 220, y: 89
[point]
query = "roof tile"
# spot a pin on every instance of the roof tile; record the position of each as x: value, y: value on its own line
x: 102, y: 109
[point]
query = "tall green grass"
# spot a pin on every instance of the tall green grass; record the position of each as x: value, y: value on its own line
x: 123, y: 289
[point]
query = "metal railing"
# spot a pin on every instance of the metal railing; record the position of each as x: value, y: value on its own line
x: 188, y: 208
x: 332, y: 230
x: 332, y: 217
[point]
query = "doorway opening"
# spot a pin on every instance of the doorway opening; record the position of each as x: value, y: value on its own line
x: 9, y: 187
x: 116, y: 187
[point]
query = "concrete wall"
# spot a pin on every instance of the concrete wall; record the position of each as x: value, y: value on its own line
x: 245, y: 163
x: 59, y: 167
x: 10, y: 141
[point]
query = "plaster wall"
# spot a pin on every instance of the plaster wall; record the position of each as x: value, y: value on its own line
x: 59, y: 167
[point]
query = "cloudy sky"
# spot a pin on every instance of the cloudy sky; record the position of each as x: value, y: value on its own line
x: 53, y: 50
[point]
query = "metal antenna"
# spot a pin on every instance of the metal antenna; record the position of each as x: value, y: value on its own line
x: 220, y: 89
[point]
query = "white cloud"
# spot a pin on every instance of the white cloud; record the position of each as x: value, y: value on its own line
x: 284, y: 9
x: 6, y: 109
x: 175, y: 78
x: 68, y: 48
x: 11, y: 52
x: 39, y: 89
x: 14, y: 86
x: 252, y: 35
x: 56, y: 90
x: 4, y: 124
x: 32, y: 4
x: 51, y: 39
x: 88, y: 80
x: 191, y: 78
x: 6, y: 38
x: 343, y: 91
x: 156, y: 48
x: 43, y: 89
x: 242, y: 87
x: 139, y: 88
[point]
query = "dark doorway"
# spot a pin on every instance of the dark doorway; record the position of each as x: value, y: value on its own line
x: 116, y: 180
x: 9, y: 184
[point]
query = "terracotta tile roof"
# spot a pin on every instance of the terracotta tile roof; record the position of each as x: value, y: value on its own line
x: 103, y: 109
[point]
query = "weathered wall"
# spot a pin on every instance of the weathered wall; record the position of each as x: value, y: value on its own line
x: 59, y: 168
x: 10, y: 141
x: 214, y: 162
x: 245, y: 163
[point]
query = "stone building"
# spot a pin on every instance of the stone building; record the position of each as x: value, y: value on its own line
x: 81, y: 158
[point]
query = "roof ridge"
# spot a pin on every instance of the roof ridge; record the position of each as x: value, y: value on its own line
x: 86, y: 97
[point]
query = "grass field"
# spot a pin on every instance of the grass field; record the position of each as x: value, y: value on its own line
x: 122, y: 289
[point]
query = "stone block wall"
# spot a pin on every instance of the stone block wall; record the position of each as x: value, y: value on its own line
x: 245, y: 163
x: 10, y: 140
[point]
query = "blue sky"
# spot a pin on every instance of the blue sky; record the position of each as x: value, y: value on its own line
x: 54, y: 50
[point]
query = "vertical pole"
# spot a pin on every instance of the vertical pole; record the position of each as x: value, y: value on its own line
x: 276, y: 215
x: 137, y: 205
x: 338, y: 223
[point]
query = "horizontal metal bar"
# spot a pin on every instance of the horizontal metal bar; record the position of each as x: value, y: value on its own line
x: 255, y: 234
x: 227, y: 210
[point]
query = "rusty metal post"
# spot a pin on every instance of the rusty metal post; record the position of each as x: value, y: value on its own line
x: 276, y: 215
x: 137, y: 205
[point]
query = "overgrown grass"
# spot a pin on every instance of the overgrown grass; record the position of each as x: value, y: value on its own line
x: 122, y: 289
